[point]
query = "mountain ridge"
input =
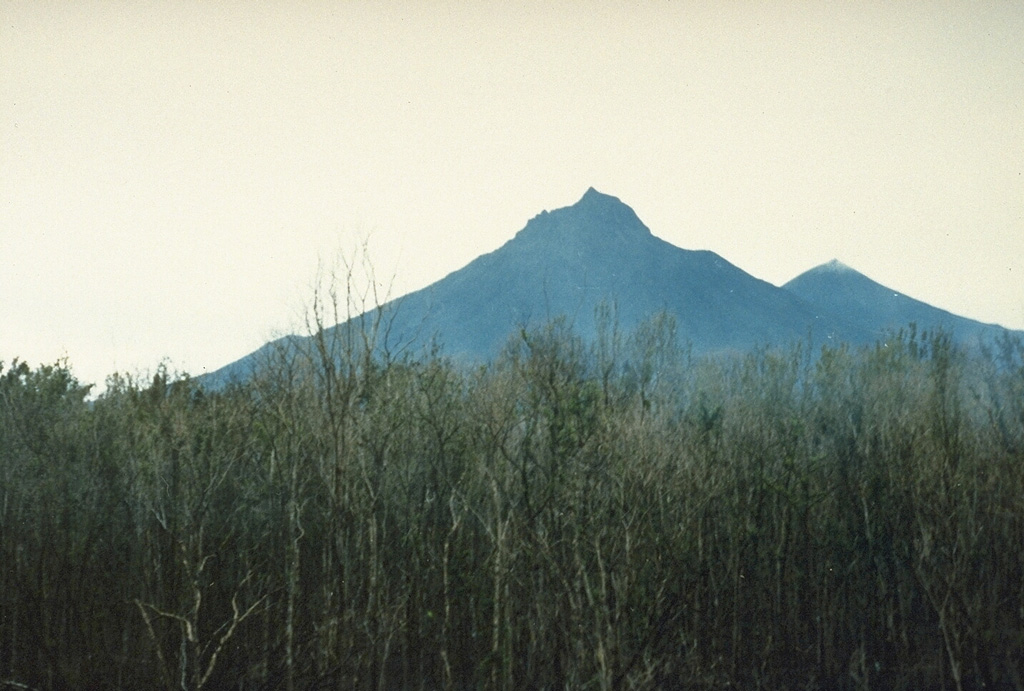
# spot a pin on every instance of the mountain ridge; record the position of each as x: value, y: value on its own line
x: 567, y: 261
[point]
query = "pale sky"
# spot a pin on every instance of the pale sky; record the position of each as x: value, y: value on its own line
x: 171, y: 173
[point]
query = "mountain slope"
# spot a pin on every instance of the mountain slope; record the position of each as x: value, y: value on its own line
x: 836, y: 289
x: 568, y: 261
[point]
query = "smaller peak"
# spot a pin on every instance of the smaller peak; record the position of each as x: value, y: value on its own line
x: 830, y: 271
x: 835, y: 266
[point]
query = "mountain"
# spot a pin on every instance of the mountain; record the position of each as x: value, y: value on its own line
x: 569, y: 261
x: 835, y: 289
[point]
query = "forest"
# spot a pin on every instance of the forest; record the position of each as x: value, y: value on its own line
x: 609, y: 515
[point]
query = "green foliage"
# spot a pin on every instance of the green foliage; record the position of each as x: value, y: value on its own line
x: 614, y: 516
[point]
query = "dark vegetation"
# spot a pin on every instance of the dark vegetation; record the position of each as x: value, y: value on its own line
x: 609, y: 516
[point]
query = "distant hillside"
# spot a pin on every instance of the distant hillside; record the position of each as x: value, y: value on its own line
x: 836, y: 289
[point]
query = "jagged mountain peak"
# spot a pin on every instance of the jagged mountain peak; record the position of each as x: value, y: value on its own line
x: 596, y: 218
x: 604, y: 211
x: 592, y: 196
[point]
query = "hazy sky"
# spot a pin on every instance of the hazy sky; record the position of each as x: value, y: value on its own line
x: 172, y: 172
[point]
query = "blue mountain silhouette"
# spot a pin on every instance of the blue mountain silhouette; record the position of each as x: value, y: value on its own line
x: 567, y: 262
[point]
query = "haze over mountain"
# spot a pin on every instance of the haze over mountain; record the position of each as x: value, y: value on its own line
x: 567, y: 262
